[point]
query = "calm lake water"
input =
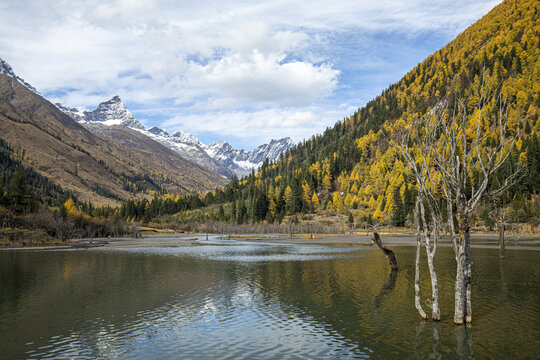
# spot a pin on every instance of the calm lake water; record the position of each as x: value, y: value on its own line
x: 259, y: 301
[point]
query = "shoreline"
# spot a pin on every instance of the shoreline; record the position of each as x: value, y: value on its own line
x: 486, y: 241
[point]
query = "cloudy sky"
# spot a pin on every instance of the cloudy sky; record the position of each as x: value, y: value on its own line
x: 243, y: 71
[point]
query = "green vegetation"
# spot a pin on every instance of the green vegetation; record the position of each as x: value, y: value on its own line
x: 33, y: 211
x: 352, y: 169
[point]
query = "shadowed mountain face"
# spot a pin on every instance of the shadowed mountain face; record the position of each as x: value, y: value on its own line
x: 100, y: 167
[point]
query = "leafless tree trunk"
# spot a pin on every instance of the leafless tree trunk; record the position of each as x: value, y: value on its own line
x: 459, y: 151
x: 389, y: 253
x: 421, y: 165
x: 431, y: 239
x: 501, y: 227
x: 417, y: 295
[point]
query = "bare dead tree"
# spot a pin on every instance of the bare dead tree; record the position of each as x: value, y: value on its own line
x: 453, y: 159
x: 417, y: 295
x: 389, y: 253
x: 419, y: 160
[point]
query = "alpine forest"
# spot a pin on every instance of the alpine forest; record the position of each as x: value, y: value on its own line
x: 354, y: 175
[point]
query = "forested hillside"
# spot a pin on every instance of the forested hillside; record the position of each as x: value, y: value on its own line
x: 96, y: 169
x: 352, y: 169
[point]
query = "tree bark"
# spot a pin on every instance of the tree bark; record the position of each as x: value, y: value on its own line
x: 431, y: 248
x: 462, y: 296
x: 451, y: 227
x: 468, y: 274
x: 501, y: 239
x: 417, y: 296
x: 459, y: 294
x: 436, y: 309
x: 389, y: 253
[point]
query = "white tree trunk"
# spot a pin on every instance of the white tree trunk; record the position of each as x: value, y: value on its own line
x: 468, y: 275
x: 462, y: 305
x: 459, y: 293
x: 436, y: 309
x: 417, y: 297
x: 431, y: 248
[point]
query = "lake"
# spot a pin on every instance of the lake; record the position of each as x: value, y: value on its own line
x: 259, y: 300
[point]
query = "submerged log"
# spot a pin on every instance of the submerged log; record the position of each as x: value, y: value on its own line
x: 389, y: 253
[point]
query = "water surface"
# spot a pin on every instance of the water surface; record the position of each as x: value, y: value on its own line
x: 234, y: 299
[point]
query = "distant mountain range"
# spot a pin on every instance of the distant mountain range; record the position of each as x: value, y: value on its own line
x: 105, y: 162
x: 219, y: 157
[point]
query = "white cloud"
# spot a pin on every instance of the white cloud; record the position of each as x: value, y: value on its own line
x: 264, y: 78
x: 257, y: 127
x: 247, y: 64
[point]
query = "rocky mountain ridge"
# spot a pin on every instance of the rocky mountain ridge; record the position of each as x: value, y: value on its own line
x: 241, y: 161
x: 104, y: 164
x: 6, y: 69
x: 219, y: 157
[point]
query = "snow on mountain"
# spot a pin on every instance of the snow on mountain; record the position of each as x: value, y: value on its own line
x: 113, y: 112
x: 74, y: 113
x: 110, y: 112
x: 241, y: 161
x: 7, y: 70
x: 189, y: 147
x: 219, y: 157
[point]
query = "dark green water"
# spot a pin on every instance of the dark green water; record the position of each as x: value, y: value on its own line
x: 259, y: 301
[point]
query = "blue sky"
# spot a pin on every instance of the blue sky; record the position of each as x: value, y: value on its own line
x: 241, y: 71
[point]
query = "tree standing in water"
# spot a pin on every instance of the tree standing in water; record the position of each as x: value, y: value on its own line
x: 459, y: 151
x: 427, y: 214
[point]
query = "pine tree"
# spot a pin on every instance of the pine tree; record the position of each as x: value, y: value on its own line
x: 20, y: 198
x: 261, y: 208
x: 398, y: 216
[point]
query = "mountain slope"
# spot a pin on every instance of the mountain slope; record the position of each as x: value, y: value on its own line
x: 352, y: 168
x: 190, y: 148
x: 351, y: 165
x: 6, y: 69
x: 93, y: 168
x: 113, y: 112
x: 220, y: 157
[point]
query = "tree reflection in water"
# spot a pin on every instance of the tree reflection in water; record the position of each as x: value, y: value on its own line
x: 464, y: 341
x: 388, y: 286
x: 435, y: 352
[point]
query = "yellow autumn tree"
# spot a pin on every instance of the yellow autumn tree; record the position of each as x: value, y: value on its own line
x: 348, y: 200
x: 327, y: 182
x: 315, y: 200
x: 337, y: 201
x: 71, y: 209
x: 306, y: 193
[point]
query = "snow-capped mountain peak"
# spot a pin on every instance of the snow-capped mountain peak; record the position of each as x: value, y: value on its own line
x: 74, y: 113
x: 157, y: 131
x: 220, y: 157
x: 220, y: 149
x: 113, y: 112
x: 184, y: 137
x: 6, y: 69
x: 241, y: 161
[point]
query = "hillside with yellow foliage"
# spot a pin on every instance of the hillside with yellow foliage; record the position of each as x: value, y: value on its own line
x: 352, y: 168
